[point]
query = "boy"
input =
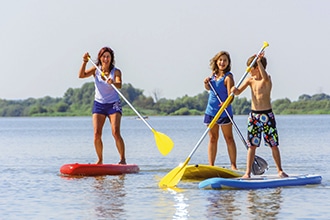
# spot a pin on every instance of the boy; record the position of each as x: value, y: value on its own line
x: 261, y: 118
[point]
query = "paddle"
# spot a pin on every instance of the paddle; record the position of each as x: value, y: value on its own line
x: 163, y: 142
x: 260, y: 165
x: 174, y: 176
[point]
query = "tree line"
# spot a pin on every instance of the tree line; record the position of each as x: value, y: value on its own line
x: 78, y: 102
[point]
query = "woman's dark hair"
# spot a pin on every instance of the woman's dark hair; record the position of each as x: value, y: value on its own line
x: 101, y: 52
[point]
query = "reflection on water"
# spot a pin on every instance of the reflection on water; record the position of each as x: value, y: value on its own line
x: 106, y: 196
x: 265, y: 203
x: 223, y: 204
x: 258, y: 204
x: 109, y: 196
x: 181, y: 206
x: 174, y: 203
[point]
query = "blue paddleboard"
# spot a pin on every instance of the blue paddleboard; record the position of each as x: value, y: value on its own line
x: 260, y: 183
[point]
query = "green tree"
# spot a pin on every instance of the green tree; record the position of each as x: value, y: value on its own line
x: 165, y: 106
x: 144, y: 102
x: 241, y: 106
x: 14, y: 110
x: 37, y: 109
x: 130, y: 92
x: 304, y: 97
x: 321, y: 96
x: 280, y: 105
x: 61, y: 107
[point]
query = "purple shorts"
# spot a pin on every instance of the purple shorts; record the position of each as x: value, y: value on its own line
x: 107, y: 108
x: 220, y: 121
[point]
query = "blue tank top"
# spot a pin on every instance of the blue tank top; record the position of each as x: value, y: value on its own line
x: 213, y: 104
x: 104, y: 93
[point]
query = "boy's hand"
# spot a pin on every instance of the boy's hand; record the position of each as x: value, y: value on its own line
x: 261, y: 55
x: 234, y: 90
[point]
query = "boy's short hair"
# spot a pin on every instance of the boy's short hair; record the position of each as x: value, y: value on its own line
x: 263, y: 61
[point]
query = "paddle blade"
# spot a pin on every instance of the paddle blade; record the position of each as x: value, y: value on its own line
x: 259, y: 166
x: 174, y: 176
x: 163, y: 142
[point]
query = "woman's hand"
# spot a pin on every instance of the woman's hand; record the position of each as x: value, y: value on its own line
x: 110, y: 81
x: 85, y: 57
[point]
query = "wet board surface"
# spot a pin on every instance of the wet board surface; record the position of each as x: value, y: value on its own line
x: 202, y: 172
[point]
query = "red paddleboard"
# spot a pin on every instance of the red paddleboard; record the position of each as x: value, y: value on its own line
x: 78, y: 169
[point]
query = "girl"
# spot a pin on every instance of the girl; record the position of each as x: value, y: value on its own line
x: 222, y: 80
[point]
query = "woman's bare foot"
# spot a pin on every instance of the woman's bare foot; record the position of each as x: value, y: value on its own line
x: 233, y: 167
x: 123, y: 161
x: 99, y: 162
x: 282, y: 174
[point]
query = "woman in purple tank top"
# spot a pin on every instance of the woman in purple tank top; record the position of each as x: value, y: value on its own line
x: 107, y: 103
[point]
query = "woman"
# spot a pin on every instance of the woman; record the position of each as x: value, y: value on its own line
x: 222, y: 80
x: 107, y: 102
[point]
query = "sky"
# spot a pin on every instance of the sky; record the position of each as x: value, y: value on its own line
x: 162, y: 47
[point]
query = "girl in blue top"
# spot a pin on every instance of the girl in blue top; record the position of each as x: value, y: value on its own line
x: 222, y: 80
x: 107, y: 102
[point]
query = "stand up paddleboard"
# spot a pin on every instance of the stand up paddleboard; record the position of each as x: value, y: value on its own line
x: 202, y: 172
x: 260, y: 183
x: 78, y: 169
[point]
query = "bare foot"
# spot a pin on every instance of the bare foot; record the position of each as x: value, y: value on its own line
x: 234, y: 167
x: 123, y: 161
x: 246, y: 176
x: 99, y: 162
x: 282, y: 174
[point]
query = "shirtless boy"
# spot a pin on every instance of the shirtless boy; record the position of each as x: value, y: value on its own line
x: 261, y: 120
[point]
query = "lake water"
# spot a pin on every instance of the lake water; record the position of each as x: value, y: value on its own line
x: 34, y: 149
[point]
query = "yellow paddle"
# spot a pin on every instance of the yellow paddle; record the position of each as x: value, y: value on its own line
x: 174, y: 176
x: 163, y: 142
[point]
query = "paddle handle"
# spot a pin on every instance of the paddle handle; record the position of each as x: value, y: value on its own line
x: 123, y: 97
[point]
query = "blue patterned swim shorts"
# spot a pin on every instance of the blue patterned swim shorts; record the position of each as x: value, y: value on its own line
x: 262, y: 122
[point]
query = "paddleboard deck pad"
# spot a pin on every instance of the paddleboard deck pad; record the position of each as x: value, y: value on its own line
x: 202, y: 172
x: 260, y: 183
x: 78, y: 169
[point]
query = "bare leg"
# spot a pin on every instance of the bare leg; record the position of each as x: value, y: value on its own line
x: 115, y: 120
x: 98, y: 122
x: 277, y: 159
x: 213, y: 144
x: 227, y: 132
x: 249, y: 160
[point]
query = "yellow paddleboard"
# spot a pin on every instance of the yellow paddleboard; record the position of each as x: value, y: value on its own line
x: 202, y: 171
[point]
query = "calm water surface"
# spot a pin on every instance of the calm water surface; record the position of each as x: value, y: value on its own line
x: 33, y: 150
